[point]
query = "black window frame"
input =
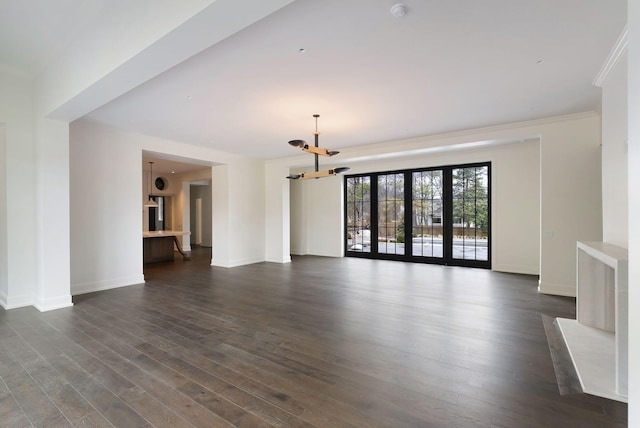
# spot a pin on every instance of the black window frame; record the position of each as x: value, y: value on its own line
x: 447, y: 217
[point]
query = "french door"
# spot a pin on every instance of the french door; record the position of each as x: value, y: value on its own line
x: 434, y: 215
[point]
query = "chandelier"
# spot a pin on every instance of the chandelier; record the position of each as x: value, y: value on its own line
x: 316, y: 151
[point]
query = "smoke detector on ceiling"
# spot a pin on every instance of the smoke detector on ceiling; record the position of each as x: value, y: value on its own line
x: 398, y: 10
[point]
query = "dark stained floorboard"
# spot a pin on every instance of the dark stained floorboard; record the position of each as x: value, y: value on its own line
x: 320, y: 342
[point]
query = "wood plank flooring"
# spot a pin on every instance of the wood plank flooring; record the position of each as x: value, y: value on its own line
x: 320, y: 342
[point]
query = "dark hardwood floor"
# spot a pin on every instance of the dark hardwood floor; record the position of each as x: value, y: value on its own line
x: 319, y: 342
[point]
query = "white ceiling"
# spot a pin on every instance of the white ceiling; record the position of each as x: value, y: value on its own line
x: 32, y: 32
x: 447, y: 65
x: 168, y: 165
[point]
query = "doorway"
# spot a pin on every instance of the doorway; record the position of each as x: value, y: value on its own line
x: 200, y: 213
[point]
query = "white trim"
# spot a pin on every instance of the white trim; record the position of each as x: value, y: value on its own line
x: 90, y: 287
x: 475, y: 131
x: 53, y: 303
x: 15, y: 302
x: 557, y: 289
x: 283, y: 260
x: 618, y: 50
x: 520, y: 269
x: 239, y: 262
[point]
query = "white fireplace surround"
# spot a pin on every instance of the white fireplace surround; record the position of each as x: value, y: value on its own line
x: 598, y: 340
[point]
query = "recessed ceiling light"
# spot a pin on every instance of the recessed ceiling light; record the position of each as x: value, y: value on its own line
x: 539, y: 61
x: 189, y: 97
x: 301, y: 50
x: 173, y: 172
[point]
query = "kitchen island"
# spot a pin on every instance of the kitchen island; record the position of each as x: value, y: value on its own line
x: 157, y: 246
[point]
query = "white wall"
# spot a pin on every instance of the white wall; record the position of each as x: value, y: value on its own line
x: 515, y: 207
x: 298, y: 217
x: 324, y: 216
x: 52, y: 215
x: 4, y: 269
x: 238, y: 213
x: 634, y: 210
x: 106, y: 220
x: 317, y: 211
x: 277, y: 212
x: 571, y: 203
x: 221, y: 213
x: 185, y: 213
x: 614, y: 156
x: 19, y: 180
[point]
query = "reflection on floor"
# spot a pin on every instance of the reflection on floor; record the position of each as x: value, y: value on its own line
x: 568, y: 381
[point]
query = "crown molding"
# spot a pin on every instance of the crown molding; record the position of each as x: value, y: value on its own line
x: 475, y: 132
x: 619, y: 49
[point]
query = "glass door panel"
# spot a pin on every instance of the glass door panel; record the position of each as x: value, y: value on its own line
x: 427, y: 214
x: 358, y: 210
x: 391, y: 227
x: 470, y: 202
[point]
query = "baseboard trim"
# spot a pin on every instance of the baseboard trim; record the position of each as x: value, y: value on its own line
x: 108, y: 284
x: 15, y: 302
x: 53, y: 303
x: 557, y: 289
x: 312, y: 252
x: 239, y: 262
x: 522, y: 269
x: 282, y: 260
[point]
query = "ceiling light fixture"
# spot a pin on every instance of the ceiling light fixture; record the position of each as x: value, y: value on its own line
x: 150, y: 202
x: 317, y: 151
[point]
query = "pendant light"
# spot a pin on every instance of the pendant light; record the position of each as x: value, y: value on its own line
x: 150, y: 202
x: 315, y: 150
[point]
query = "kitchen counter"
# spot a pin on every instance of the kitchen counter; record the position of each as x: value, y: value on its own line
x: 158, y: 245
x: 161, y: 233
